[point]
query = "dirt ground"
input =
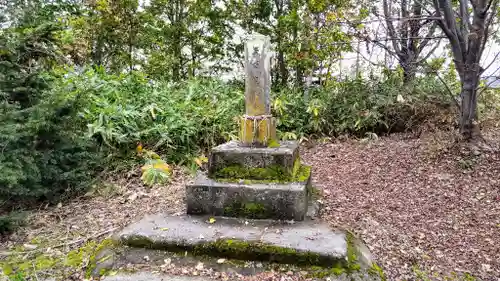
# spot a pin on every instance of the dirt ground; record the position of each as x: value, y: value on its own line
x: 419, y: 204
x: 424, y: 206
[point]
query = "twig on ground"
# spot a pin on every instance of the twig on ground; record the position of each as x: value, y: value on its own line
x: 34, y: 271
x: 86, y: 238
x: 448, y: 90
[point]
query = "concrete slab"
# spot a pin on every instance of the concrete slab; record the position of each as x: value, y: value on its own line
x: 307, y: 242
x: 147, y: 276
x: 287, y: 201
x: 232, y: 153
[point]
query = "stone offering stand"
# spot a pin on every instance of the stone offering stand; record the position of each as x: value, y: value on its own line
x: 256, y: 201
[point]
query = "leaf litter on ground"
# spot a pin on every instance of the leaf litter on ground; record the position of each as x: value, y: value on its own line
x: 413, y: 210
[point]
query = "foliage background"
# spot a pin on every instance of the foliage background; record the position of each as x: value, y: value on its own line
x: 84, y: 83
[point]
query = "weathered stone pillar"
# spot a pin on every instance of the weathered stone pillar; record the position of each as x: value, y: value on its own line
x: 258, y: 127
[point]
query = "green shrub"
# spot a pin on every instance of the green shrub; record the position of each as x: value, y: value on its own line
x: 182, y: 120
x: 11, y: 221
x: 176, y: 120
x: 358, y: 106
x: 43, y: 150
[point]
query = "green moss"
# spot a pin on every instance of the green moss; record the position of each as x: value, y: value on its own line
x: 322, y: 272
x: 238, y: 249
x: 262, y: 175
x: 273, y: 143
x: 274, y: 172
x: 248, y: 210
x: 242, y: 250
x: 303, y: 174
x: 351, y: 265
x: 37, y: 260
x: 105, y: 244
x: 376, y: 270
x: 296, y: 166
x: 352, y: 255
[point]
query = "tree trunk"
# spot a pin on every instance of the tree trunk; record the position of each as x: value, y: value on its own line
x: 408, y: 64
x: 131, y: 49
x: 97, y: 52
x: 468, y: 114
x: 176, y: 42
x: 176, y: 66
x: 408, y: 73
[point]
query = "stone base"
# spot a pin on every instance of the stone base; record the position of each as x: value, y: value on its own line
x: 232, y: 154
x: 308, y: 242
x: 250, y: 200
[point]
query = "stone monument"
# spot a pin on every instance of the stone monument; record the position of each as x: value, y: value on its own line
x: 257, y: 176
x: 258, y: 127
x: 254, y: 202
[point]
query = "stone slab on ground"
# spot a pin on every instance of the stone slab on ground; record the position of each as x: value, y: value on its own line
x: 307, y: 242
x: 231, y: 153
x: 148, y: 276
x: 288, y: 201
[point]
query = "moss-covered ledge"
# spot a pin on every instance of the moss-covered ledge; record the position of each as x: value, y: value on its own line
x: 331, y: 251
x: 272, y: 174
x: 245, y: 250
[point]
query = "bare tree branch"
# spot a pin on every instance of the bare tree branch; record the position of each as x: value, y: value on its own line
x: 403, y: 26
x: 424, y: 58
x: 451, y: 23
x: 451, y: 34
x: 452, y: 96
x: 487, y: 85
x: 489, y: 6
x: 377, y: 42
x: 390, y: 27
x: 413, y: 44
x: 464, y: 20
x: 492, y: 61
x: 488, y: 24
x: 423, y: 4
x: 370, y: 61
x: 427, y: 37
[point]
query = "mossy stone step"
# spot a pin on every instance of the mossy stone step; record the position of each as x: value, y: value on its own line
x: 307, y: 242
x: 155, y: 276
x: 257, y: 200
x: 149, y: 276
x: 232, y: 160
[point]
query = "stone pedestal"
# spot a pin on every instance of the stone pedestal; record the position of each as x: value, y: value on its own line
x: 250, y: 182
x: 246, y: 199
x: 234, y: 156
x: 252, y: 204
